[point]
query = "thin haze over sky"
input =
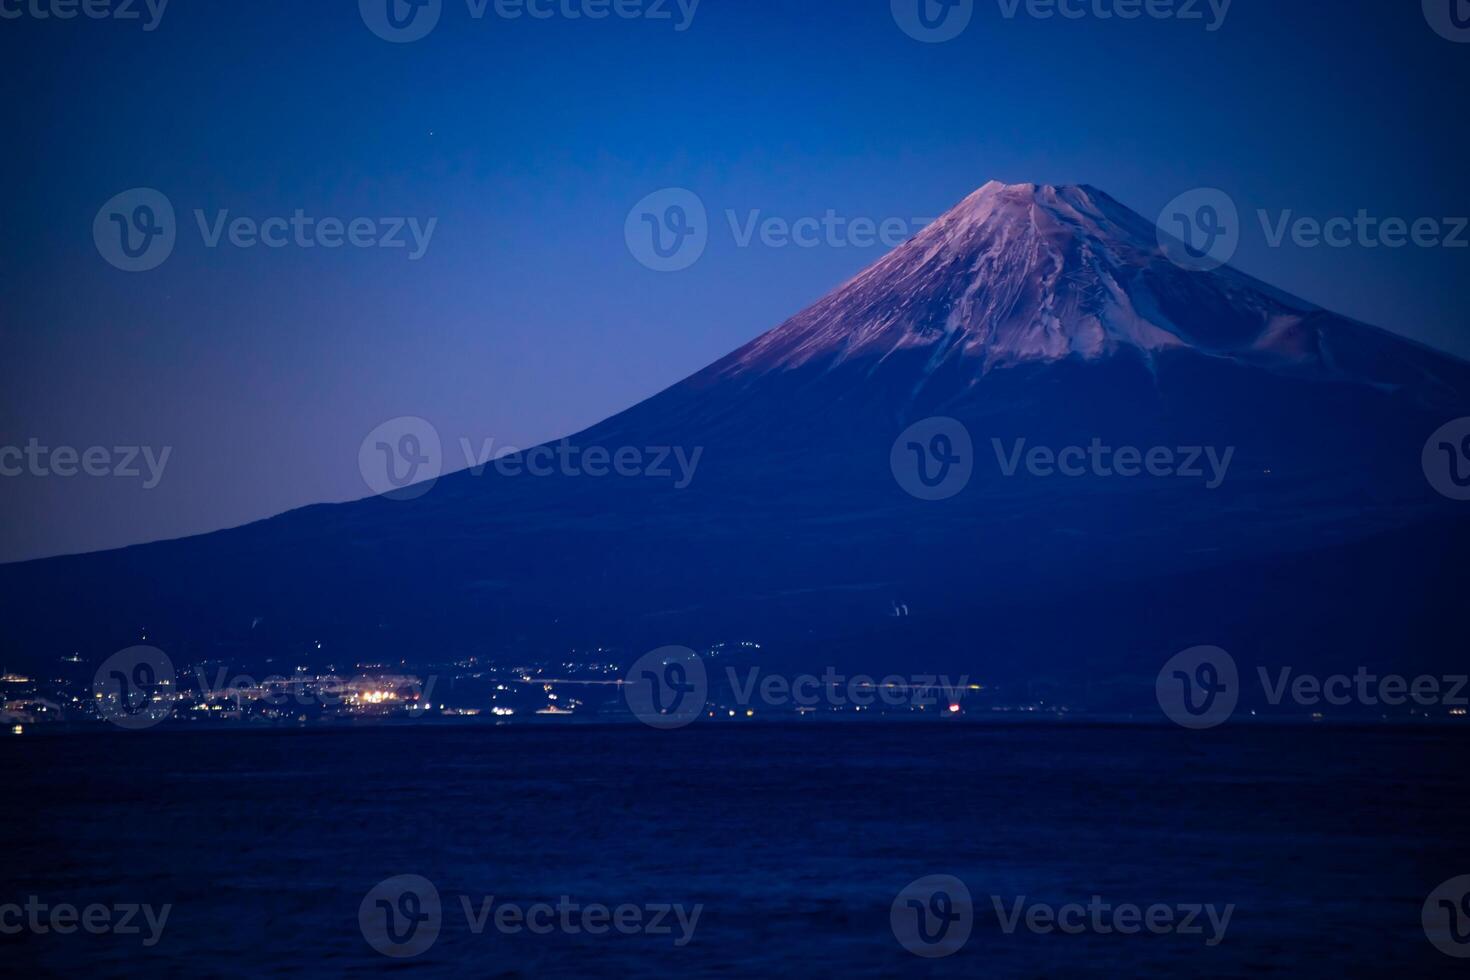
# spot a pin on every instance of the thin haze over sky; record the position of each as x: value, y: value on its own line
x: 529, y: 140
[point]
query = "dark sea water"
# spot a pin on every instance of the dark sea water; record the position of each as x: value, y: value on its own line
x: 795, y: 839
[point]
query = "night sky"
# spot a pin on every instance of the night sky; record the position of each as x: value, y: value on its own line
x: 528, y: 141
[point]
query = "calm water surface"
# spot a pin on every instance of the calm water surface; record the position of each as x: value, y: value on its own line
x: 795, y: 839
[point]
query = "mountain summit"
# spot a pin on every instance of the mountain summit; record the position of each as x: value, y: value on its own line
x: 1031, y: 323
x: 1025, y: 272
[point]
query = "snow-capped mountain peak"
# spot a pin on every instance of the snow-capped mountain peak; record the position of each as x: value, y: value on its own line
x: 1036, y: 272
x: 1014, y: 272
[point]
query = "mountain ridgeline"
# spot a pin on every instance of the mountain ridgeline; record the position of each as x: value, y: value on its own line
x: 1157, y: 458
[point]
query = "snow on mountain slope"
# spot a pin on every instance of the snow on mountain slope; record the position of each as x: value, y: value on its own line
x: 1043, y: 317
x: 1025, y: 273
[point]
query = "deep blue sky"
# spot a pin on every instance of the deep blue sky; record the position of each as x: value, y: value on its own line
x: 530, y: 140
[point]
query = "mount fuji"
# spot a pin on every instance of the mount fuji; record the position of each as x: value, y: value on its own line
x: 1034, y: 318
